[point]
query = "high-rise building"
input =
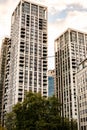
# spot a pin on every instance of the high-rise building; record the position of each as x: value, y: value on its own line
x: 2, y: 69
x: 51, y: 78
x: 6, y: 79
x: 81, y: 82
x: 29, y: 42
x: 70, y: 50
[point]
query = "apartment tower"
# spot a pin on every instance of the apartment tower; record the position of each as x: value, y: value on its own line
x: 81, y: 82
x: 70, y: 50
x: 3, y: 58
x: 28, y: 70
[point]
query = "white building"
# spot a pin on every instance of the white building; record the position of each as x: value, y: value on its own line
x: 81, y: 81
x: 70, y: 50
x: 29, y: 42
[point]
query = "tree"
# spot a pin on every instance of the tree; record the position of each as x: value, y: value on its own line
x: 37, y: 113
x: 10, y: 121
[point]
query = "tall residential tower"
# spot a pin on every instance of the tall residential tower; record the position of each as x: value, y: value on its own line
x: 3, y: 58
x: 70, y: 50
x: 81, y: 82
x: 28, y: 71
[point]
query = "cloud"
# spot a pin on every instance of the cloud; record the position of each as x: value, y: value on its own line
x: 74, y: 19
x: 56, y: 6
x: 62, y: 14
x: 7, y: 6
x: 6, y: 9
x: 3, y: 1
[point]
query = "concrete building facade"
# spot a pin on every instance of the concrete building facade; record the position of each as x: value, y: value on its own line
x: 6, y: 80
x: 3, y: 58
x: 70, y: 50
x: 29, y: 42
x: 81, y: 82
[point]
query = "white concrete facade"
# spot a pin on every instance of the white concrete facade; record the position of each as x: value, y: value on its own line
x: 81, y: 82
x: 29, y: 42
x: 70, y: 50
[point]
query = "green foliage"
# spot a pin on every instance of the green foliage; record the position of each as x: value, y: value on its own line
x: 10, y: 121
x: 37, y: 113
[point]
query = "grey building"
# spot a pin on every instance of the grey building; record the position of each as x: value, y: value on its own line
x: 81, y: 82
x: 70, y: 50
x: 29, y: 42
x: 3, y: 57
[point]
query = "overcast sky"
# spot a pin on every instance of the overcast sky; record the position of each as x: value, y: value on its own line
x: 62, y: 14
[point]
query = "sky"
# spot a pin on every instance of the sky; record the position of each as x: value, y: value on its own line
x: 62, y: 14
